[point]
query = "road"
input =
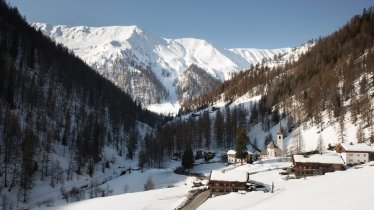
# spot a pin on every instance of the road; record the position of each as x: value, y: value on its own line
x: 197, y: 201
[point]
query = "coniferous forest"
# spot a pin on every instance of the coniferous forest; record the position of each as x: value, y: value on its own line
x: 52, y: 102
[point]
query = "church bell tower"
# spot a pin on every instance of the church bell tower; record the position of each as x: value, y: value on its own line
x: 280, y: 138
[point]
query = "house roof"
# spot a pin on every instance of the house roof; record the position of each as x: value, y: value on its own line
x: 229, y: 176
x: 272, y: 145
x: 357, y: 147
x: 231, y: 152
x: 317, y: 158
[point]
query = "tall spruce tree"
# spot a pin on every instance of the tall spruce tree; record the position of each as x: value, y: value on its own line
x: 187, y: 159
x: 241, y: 142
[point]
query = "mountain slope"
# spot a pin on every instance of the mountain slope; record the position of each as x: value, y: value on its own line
x: 60, y: 121
x: 116, y: 50
x: 326, y: 96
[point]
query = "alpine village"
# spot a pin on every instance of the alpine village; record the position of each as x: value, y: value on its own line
x: 115, y: 117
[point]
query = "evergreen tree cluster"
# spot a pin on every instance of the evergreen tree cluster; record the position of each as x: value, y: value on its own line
x: 52, y: 102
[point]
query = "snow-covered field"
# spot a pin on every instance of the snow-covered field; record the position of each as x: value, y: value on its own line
x: 350, y: 189
x: 161, y: 199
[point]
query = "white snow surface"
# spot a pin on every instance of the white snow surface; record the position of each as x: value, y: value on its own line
x: 229, y: 175
x: 231, y: 152
x: 100, y: 44
x: 317, y: 158
x: 341, y: 190
x: 162, y: 199
x: 358, y: 147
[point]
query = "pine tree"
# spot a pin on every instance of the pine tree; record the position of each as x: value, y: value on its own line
x: 298, y: 143
x: 241, y: 141
x: 360, y: 134
x: 187, y: 159
x: 149, y: 185
x: 219, y: 128
x: 320, y: 145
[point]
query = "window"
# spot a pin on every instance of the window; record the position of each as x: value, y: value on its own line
x: 350, y: 154
x: 358, y: 155
x: 364, y: 155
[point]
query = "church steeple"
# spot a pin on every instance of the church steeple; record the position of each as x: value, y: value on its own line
x: 280, y: 128
x: 280, y: 138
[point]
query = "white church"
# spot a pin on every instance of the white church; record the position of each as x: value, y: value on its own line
x: 274, y: 148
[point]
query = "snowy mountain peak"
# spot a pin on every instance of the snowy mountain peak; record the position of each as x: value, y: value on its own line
x: 128, y: 56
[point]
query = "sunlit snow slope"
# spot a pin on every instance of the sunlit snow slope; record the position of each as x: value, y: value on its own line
x: 149, y: 67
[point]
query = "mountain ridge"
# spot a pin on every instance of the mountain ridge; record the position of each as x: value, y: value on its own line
x: 113, y: 50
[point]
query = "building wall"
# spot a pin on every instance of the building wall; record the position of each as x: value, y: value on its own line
x: 310, y: 169
x: 224, y: 186
x: 352, y: 158
x: 232, y: 159
x: 276, y: 152
x: 271, y: 152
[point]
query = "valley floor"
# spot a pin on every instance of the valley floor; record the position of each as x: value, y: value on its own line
x: 350, y: 189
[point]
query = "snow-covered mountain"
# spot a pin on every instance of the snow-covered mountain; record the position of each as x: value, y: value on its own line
x: 149, y: 67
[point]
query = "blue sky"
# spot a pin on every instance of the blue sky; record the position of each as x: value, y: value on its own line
x: 225, y: 23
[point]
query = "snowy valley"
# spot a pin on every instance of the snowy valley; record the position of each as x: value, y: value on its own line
x: 241, y: 128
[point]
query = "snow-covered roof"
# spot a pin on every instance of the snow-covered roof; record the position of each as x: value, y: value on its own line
x: 358, y: 147
x: 272, y: 145
x: 229, y: 176
x: 231, y: 152
x: 326, y: 159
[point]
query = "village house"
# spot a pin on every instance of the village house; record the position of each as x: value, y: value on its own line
x: 228, y: 181
x: 200, y: 153
x: 231, y: 157
x: 207, y: 155
x: 354, y: 154
x: 310, y: 165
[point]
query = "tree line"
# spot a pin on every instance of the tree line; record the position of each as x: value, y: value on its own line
x: 53, y: 105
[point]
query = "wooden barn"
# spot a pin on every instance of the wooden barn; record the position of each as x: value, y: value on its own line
x: 311, y: 165
x: 228, y: 181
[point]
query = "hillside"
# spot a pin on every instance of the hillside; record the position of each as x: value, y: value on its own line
x: 326, y: 94
x: 148, y: 67
x: 60, y: 121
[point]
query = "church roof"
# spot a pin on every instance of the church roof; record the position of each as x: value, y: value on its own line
x: 272, y: 145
